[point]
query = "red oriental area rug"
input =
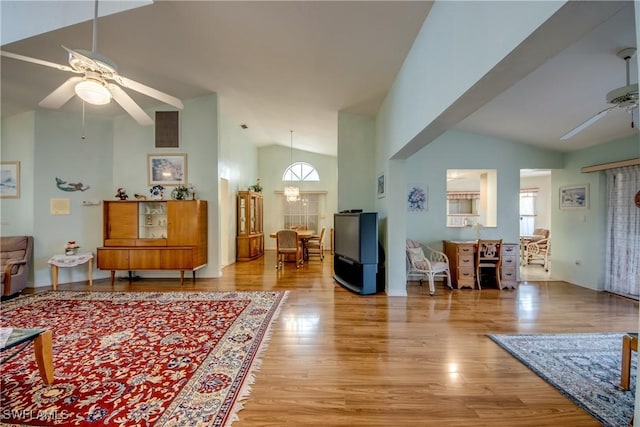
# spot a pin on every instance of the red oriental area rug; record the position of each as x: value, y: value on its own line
x: 137, y: 358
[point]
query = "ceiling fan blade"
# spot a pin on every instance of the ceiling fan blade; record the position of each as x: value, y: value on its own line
x: 37, y: 61
x: 129, y: 105
x: 586, y: 124
x: 149, y: 91
x: 61, y: 95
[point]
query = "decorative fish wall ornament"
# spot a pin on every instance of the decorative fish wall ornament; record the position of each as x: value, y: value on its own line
x: 70, y: 186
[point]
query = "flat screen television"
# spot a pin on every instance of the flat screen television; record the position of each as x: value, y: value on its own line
x: 356, y: 236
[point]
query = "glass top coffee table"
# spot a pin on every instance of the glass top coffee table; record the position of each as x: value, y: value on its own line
x: 42, y: 346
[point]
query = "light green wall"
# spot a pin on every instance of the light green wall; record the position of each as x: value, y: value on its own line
x: 459, y: 150
x: 239, y: 165
x: 114, y: 154
x: 579, y: 235
x: 17, y: 143
x: 273, y: 160
x: 356, y: 155
x: 199, y: 140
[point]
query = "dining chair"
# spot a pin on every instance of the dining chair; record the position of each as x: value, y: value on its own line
x: 287, y: 243
x: 489, y: 256
x: 314, y: 245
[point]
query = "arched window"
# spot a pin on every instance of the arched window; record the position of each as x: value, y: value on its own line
x: 300, y: 171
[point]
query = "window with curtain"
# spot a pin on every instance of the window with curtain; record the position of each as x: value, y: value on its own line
x: 304, y: 212
x: 528, y: 210
x: 622, y: 252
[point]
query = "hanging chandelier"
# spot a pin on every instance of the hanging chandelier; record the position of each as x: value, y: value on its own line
x: 291, y: 192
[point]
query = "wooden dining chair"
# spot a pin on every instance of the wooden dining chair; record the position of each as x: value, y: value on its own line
x: 489, y: 256
x: 287, y: 243
x: 314, y: 245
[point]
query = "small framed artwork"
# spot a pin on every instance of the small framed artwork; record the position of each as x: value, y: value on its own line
x: 574, y: 197
x: 167, y: 169
x: 417, y: 198
x: 380, y: 186
x: 10, y: 180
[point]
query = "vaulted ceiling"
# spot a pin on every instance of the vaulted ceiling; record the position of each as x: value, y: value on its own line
x: 279, y: 66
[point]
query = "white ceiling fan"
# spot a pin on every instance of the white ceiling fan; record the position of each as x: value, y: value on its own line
x: 98, y: 81
x: 625, y: 97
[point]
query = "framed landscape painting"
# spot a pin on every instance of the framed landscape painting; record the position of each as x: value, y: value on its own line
x: 167, y: 169
x: 574, y: 197
x: 10, y: 180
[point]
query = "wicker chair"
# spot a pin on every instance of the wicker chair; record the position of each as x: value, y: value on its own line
x: 426, y: 263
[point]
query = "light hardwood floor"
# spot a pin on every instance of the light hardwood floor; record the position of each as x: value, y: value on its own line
x: 339, y: 359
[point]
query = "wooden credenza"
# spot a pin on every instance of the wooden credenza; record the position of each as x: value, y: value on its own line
x: 461, y: 256
x: 154, y: 235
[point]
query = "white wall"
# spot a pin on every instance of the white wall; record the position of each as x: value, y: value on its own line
x: 543, y: 200
x: 273, y: 160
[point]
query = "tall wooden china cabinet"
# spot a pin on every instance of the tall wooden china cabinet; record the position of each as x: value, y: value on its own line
x: 154, y: 235
x: 250, y: 235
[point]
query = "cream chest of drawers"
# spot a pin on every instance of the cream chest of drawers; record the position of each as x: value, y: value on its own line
x: 461, y: 256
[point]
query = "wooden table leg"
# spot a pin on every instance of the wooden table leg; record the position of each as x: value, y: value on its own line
x: 113, y: 276
x: 54, y: 276
x: 628, y: 343
x: 44, y: 356
x: 91, y: 273
x: 181, y: 277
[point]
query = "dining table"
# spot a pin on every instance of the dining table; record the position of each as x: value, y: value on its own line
x: 303, y: 236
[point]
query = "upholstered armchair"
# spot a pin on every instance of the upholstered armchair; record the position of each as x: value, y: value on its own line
x: 16, y: 253
x: 426, y: 263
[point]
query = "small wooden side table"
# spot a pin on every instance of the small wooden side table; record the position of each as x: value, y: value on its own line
x: 629, y: 342
x: 70, y: 261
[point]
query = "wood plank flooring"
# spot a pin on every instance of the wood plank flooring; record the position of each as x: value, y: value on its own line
x: 339, y: 359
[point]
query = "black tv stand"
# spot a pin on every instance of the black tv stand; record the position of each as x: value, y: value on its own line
x: 363, y: 279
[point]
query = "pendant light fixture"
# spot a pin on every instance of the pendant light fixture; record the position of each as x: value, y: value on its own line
x: 291, y: 192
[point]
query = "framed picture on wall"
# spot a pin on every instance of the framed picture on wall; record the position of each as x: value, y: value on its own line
x: 574, y: 197
x: 167, y: 169
x: 380, y: 185
x: 417, y: 200
x: 10, y: 180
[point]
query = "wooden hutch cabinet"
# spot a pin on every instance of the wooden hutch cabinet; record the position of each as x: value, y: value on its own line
x: 154, y: 235
x: 250, y: 235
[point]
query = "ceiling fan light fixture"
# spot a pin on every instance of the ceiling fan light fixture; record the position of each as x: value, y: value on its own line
x: 93, y: 92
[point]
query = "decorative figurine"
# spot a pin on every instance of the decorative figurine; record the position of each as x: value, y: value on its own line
x: 121, y: 194
x: 71, y: 248
x: 157, y: 192
x: 140, y: 196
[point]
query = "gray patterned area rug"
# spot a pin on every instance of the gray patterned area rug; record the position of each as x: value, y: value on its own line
x: 583, y: 367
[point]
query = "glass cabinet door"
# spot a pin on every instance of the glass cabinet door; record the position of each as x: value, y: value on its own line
x: 242, y: 215
x: 153, y: 220
x: 252, y: 215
